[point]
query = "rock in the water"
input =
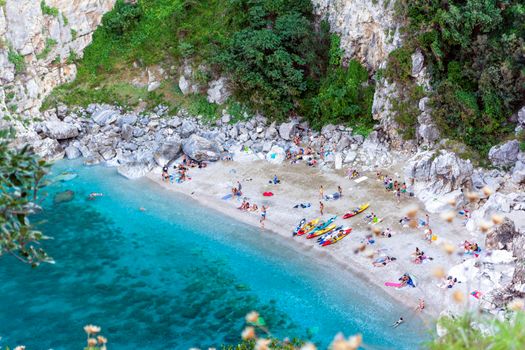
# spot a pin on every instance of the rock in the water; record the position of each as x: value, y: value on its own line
x: 49, y: 149
x: 505, y: 154
x: 502, y: 236
x: 286, y: 130
x: 72, y: 152
x: 168, y: 151
x: 276, y: 155
x: 105, y: 116
x: 219, y: 91
x: 200, y: 149
x: 59, y: 130
x: 134, y: 170
x: 63, y: 197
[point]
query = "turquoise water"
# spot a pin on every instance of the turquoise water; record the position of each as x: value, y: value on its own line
x: 175, y: 276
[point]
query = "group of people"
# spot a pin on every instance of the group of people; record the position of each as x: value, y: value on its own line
x: 471, y: 248
x: 420, y: 257
x: 245, y: 205
x: 399, y: 189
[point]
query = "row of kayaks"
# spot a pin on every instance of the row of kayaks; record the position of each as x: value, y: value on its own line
x: 326, y: 232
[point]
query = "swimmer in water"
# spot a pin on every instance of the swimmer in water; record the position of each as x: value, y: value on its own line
x: 94, y: 195
x: 398, y: 322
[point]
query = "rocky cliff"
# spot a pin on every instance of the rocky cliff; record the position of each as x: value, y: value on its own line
x: 38, y: 43
x: 368, y: 29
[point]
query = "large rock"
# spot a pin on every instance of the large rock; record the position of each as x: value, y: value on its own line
x: 286, y: 130
x: 59, y: 130
x: 168, y: 151
x: 200, y: 149
x: 105, y: 116
x: 188, y: 127
x: 437, y: 173
x: 505, y: 154
x: 72, y: 152
x: 368, y: 29
x: 276, y: 155
x: 49, y: 149
x: 502, y: 236
x: 218, y: 92
x: 134, y: 170
x: 417, y: 62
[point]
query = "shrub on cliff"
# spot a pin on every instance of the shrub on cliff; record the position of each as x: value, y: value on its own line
x: 276, y: 56
x: 474, y: 50
x: 345, y: 95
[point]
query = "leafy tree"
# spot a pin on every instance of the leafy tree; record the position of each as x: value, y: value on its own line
x: 475, y: 53
x: 272, y: 58
x: 21, y: 177
x: 344, y: 96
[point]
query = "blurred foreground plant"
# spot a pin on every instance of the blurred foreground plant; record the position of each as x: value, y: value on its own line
x: 21, y: 177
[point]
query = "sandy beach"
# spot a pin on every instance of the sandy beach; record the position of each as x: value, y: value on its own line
x: 300, y: 184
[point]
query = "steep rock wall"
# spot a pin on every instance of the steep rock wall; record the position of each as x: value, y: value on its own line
x: 41, y: 44
x: 368, y: 29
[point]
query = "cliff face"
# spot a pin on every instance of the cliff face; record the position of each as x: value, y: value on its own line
x: 368, y: 29
x: 38, y: 42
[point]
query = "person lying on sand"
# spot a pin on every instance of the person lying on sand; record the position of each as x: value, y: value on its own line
x: 406, y: 280
x: 383, y: 261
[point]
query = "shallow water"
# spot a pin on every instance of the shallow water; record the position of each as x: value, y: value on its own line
x: 176, y: 276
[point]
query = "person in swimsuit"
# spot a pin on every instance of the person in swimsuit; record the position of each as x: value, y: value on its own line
x: 398, y: 322
x: 263, y: 215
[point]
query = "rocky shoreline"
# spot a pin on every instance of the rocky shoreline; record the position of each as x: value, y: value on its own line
x: 138, y: 143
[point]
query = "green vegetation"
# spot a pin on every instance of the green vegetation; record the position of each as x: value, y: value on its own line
x: 462, y: 334
x: 74, y: 34
x: 275, y: 56
x: 50, y: 44
x: 474, y: 52
x: 345, y: 95
x: 48, y: 10
x: 21, y: 178
x: 65, y: 20
x: 16, y: 59
x: 277, y: 59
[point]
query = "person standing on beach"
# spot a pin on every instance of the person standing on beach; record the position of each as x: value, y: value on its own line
x: 427, y: 219
x: 321, y: 192
x: 239, y: 187
x: 340, y: 190
x: 321, y: 207
x: 398, y: 195
x: 263, y: 215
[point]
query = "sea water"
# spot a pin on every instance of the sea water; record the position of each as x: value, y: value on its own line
x: 176, y: 276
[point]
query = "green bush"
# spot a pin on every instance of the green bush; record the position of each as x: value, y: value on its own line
x: 474, y: 52
x: 16, y: 59
x: 50, y: 44
x: 48, y: 10
x: 462, y: 334
x: 122, y: 19
x: 274, y: 54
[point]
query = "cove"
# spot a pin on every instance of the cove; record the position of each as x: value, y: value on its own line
x: 177, y: 276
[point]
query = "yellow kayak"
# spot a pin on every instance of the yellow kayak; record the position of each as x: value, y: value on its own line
x: 321, y: 232
x: 308, y: 227
x: 356, y: 211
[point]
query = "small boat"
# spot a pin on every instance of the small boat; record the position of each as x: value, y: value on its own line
x: 325, y: 224
x: 308, y: 227
x: 356, y: 211
x: 301, y: 224
x: 321, y: 232
x: 337, y: 237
